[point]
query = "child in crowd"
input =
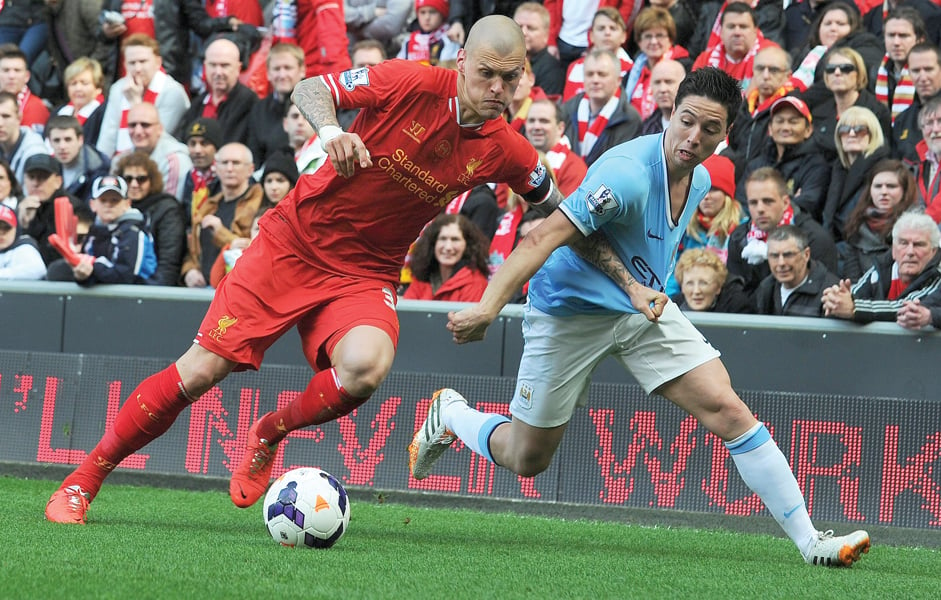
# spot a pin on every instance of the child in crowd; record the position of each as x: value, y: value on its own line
x: 119, y: 249
x: 19, y: 254
x: 430, y: 43
x: 279, y: 176
x: 233, y: 250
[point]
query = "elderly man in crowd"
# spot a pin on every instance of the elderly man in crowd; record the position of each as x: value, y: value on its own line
x: 906, y: 290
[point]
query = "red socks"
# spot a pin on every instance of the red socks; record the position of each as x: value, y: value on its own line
x: 147, y: 414
x: 324, y: 400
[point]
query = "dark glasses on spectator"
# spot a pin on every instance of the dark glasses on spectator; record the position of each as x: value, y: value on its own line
x: 844, y: 68
x: 140, y: 179
x: 856, y: 129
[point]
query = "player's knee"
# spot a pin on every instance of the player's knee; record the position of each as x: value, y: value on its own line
x: 362, y: 376
x: 529, y: 464
x: 200, y: 371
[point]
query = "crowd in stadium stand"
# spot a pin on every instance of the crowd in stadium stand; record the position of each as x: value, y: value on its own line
x: 826, y: 193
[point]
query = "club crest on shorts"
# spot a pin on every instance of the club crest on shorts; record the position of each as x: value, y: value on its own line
x: 224, y: 323
x: 526, y: 395
x: 601, y: 200
x: 354, y: 77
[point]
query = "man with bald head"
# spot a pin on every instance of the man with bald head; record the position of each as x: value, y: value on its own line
x: 224, y: 217
x: 665, y: 78
x: 148, y: 136
x: 327, y: 257
x: 226, y: 99
x: 772, y: 74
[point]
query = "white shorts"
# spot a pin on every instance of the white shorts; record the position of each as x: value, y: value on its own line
x: 560, y: 354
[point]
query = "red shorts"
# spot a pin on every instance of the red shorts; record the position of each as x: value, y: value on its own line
x: 271, y: 290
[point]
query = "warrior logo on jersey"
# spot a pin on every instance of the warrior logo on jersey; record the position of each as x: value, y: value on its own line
x: 537, y: 175
x: 601, y: 200
x: 354, y: 77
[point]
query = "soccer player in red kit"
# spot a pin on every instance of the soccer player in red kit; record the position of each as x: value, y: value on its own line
x: 327, y: 258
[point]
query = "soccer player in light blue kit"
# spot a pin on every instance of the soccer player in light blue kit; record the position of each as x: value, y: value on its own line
x: 641, y: 195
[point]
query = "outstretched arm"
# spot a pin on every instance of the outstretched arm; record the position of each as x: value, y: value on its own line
x: 471, y: 323
x: 315, y: 102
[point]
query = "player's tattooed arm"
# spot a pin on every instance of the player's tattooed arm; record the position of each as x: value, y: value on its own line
x: 315, y: 102
x: 345, y: 149
x: 597, y: 250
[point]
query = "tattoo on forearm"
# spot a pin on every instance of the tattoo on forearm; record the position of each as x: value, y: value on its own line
x: 314, y: 101
x: 597, y: 250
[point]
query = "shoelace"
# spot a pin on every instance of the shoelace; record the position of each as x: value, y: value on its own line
x: 825, y: 535
x: 77, y: 500
x: 260, y: 458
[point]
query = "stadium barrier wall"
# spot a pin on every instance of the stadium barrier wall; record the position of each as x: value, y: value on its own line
x: 854, y: 408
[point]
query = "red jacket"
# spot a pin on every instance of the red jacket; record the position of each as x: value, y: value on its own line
x: 925, y: 187
x: 321, y: 32
x: 467, y: 285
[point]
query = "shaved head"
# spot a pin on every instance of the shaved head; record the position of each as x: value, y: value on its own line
x: 497, y: 32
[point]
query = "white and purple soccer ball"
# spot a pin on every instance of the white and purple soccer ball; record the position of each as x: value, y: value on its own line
x: 306, y: 508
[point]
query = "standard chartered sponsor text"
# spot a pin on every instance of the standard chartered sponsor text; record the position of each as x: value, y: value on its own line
x: 415, y: 179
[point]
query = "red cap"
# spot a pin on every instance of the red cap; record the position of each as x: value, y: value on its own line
x: 794, y: 101
x: 722, y: 172
x: 7, y: 215
x: 439, y: 5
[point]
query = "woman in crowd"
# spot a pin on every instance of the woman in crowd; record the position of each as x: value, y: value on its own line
x: 449, y: 261
x: 655, y: 33
x: 846, y: 78
x: 890, y: 190
x: 719, y: 213
x: 83, y: 81
x: 279, y: 176
x: 837, y: 25
x: 10, y: 190
x: 608, y: 32
x: 860, y: 144
x: 163, y: 213
x: 707, y: 286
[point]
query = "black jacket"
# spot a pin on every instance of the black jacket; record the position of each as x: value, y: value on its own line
x: 94, y: 165
x: 623, y: 125
x: 803, y: 301
x: 845, y: 187
x: 825, y: 120
x: 867, y: 45
x: 732, y: 298
x: 266, y: 132
x: 821, y: 246
x: 747, y: 136
x: 863, y: 250
x: 164, y: 218
x: 548, y: 72
x: 872, y: 289
x: 231, y: 114
x: 804, y: 169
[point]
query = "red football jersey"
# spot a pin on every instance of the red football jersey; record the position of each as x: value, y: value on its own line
x: 422, y: 158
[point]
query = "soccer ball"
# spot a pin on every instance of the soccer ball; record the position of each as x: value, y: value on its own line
x: 306, y: 508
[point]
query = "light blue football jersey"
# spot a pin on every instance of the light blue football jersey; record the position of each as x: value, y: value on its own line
x: 625, y: 194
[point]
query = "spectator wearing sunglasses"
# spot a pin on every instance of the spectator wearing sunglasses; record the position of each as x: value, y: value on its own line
x: 149, y: 136
x: 860, y: 144
x: 846, y: 79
